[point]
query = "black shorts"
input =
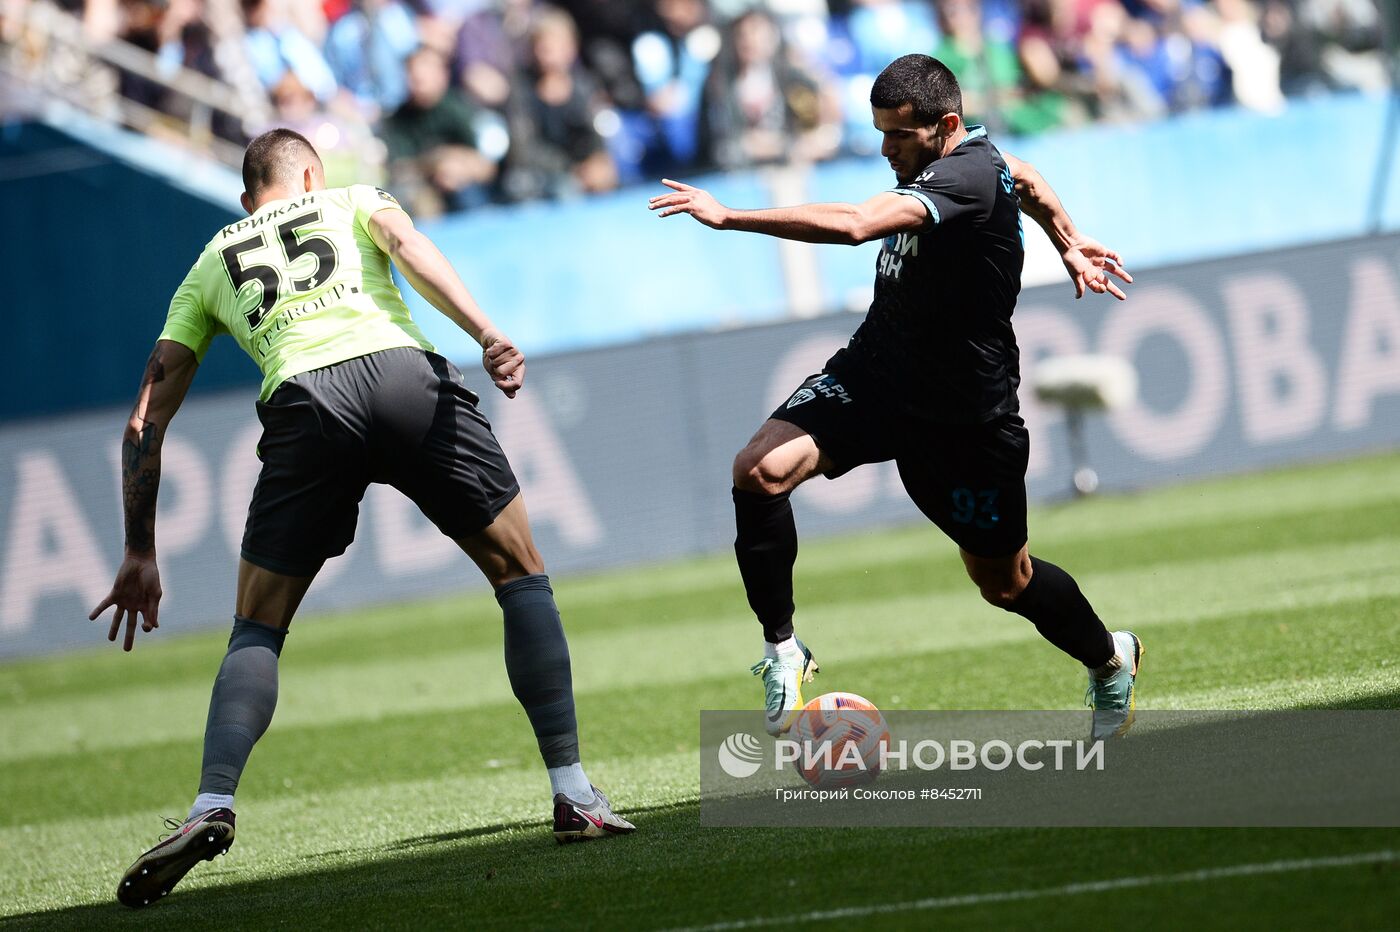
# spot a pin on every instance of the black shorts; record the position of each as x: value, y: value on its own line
x: 401, y: 417
x: 969, y: 479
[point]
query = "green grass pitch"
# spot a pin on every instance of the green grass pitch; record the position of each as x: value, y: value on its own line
x: 399, y: 785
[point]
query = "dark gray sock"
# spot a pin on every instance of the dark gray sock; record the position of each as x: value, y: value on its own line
x: 245, y: 695
x: 537, y: 662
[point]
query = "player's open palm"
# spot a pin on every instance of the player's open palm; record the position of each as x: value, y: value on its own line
x: 503, y: 362
x: 136, y: 592
x: 686, y: 199
x: 1090, y: 265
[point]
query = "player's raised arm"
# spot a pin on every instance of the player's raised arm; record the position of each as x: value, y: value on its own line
x: 1089, y: 262
x: 169, y: 371
x: 844, y: 224
x: 433, y: 277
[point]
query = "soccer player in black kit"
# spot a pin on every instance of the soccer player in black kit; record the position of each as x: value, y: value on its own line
x: 928, y: 380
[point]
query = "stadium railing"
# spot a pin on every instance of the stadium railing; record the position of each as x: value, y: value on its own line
x: 56, y: 57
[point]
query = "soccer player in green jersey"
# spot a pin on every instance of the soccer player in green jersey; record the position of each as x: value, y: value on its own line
x: 352, y: 393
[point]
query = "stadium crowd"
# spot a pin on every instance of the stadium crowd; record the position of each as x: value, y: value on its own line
x: 509, y: 100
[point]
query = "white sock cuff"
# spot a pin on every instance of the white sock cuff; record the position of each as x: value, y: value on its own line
x: 206, y: 801
x: 785, y: 648
x: 572, y: 782
x: 1114, y: 664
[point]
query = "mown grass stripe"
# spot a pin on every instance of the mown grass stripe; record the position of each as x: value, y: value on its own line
x: 1171, y: 593
x: 1205, y: 875
x: 1274, y: 660
x: 399, y: 769
x: 1362, y: 501
x: 77, y: 861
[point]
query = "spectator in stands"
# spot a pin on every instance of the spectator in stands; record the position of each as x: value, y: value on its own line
x: 434, y: 164
x: 876, y: 32
x: 861, y: 40
x: 1299, y: 49
x: 1175, y: 51
x: 638, y: 96
x: 438, y: 23
x: 1051, y: 50
x: 366, y: 48
x: 672, y: 63
x: 186, y: 41
x: 340, y: 134
x: 607, y: 29
x: 139, y: 24
x: 1254, y: 64
x: 1119, y: 89
x: 310, y: 17
x: 1044, y: 50
x: 1351, y: 36
x: 1204, y: 78
x: 758, y: 107
x: 986, y: 67
x: 556, y: 149
x: 490, y: 50
x: 275, y: 46
x: 1143, y: 50
x: 102, y: 19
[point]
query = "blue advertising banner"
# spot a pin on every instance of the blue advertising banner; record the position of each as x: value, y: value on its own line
x: 624, y: 453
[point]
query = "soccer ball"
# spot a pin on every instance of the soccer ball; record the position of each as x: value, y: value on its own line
x: 842, y: 736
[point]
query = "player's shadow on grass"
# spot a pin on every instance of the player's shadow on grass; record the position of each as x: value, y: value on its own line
x: 441, y: 838
x: 469, y: 879
x: 443, y: 880
x: 1381, y: 700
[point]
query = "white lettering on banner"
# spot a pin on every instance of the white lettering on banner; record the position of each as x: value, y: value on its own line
x: 49, y: 548
x: 857, y: 490
x: 405, y: 542
x: 553, y: 493
x: 183, y: 527
x: 240, y: 477
x: 1370, y: 357
x: 1041, y: 333
x: 1180, y: 433
x: 1282, y: 382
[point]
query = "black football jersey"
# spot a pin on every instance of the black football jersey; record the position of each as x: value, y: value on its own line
x: 938, y: 335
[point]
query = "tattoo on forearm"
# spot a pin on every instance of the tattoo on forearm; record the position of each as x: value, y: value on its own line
x: 155, y: 369
x: 140, y: 483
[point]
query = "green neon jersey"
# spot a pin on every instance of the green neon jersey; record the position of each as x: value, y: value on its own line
x: 300, y: 285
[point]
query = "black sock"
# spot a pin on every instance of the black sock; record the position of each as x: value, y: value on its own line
x: 245, y: 696
x: 1059, y: 611
x: 537, y: 662
x: 766, y: 545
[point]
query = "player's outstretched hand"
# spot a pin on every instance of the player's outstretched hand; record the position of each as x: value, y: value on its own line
x: 503, y: 362
x: 1090, y: 263
x: 136, y: 591
x: 686, y: 199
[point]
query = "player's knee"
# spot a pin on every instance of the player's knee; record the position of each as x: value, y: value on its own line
x: 1000, y: 589
x: 1003, y: 597
x: 1000, y: 581
x: 763, y: 474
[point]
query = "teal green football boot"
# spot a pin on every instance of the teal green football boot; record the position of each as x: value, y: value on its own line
x: 1115, y: 698
x: 782, y: 687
